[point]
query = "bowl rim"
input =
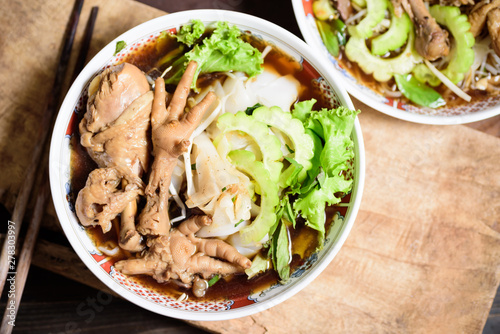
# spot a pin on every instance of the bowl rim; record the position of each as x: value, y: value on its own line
x: 355, y: 91
x: 56, y: 165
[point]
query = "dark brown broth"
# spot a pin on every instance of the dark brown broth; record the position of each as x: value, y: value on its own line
x: 81, y: 166
x: 304, y: 239
x: 369, y: 81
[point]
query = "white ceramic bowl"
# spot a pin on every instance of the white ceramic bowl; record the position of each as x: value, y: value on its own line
x: 467, y: 113
x: 99, y: 264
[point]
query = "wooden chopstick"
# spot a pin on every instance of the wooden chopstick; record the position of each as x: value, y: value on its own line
x: 44, y: 192
x: 41, y: 202
x: 87, y: 37
x: 41, y: 139
x: 26, y: 254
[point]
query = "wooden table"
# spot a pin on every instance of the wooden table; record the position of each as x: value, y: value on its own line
x: 423, y: 256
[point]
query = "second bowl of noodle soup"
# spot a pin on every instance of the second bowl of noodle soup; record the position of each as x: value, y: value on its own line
x: 479, y: 82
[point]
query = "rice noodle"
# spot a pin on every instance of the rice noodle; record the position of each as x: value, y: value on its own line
x: 187, y: 156
x: 220, y: 108
x: 232, y: 91
x: 189, y: 172
x: 447, y: 82
x: 179, y: 202
x: 202, y: 127
x: 231, y: 75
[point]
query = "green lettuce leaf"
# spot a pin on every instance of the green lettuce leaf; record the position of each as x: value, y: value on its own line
x: 279, y: 244
x: 282, y: 257
x: 190, y: 33
x: 310, y: 180
x: 302, y: 109
x: 337, y: 125
x: 292, y: 177
x: 120, y: 45
x: 325, y: 183
x: 223, y: 51
x: 330, y: 130
x: 312, y: 204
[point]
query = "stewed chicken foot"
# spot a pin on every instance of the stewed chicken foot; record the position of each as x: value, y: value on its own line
x: 479, y: 15
x: 110, y: 125
x: 102, y: 198
x: 114, y: 130
x: 494, y: 28
x: 431, y: 40
x: 171, y: 129
x: 487, y: 13
x: 111, y: 92
x: 183, y: 256
x: 129, y: 239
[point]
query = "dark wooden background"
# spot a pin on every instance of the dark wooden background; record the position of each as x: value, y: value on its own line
x: 54, y: 304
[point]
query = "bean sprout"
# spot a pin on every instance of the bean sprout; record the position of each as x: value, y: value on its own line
x: 355, y: 17
x: 447, y: 82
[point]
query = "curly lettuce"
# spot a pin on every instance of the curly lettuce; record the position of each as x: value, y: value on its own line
x: 330, y: 128
x: 325, y: 183
x: 190, y: 33
x: 223, y: 50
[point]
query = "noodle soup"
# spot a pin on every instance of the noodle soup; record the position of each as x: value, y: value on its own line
x: 237, y: 260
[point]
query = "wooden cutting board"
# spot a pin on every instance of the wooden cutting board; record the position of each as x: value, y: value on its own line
x: 424, y: 253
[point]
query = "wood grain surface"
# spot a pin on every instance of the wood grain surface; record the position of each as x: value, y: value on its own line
x: 423, y: 255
